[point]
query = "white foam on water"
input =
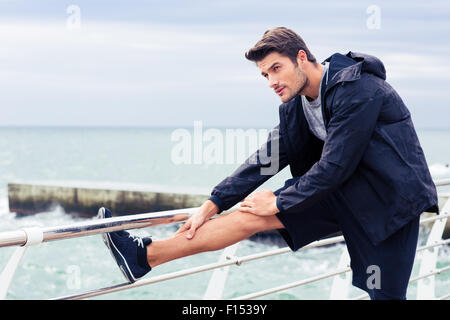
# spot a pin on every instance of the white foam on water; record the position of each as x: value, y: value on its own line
x: 4, y: 205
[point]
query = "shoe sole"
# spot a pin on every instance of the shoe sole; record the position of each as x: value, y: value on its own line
x: 102, y: 215
x: 120, y: 260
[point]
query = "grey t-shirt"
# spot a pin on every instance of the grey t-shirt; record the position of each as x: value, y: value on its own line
x: 313, y: 110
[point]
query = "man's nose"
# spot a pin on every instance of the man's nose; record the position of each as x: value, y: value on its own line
x: 273, y: 82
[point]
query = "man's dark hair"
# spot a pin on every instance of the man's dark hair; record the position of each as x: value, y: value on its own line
x: 282, y: 40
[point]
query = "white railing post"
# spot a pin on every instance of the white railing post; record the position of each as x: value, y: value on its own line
x: 9, y: 271
x: 341, y: 282
x: 425, y: 287
x: 219, y: 277
x: 34, y: 236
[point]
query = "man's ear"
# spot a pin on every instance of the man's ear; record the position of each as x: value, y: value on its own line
x: 301, y: 57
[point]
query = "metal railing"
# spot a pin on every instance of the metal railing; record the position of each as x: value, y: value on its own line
x: 33, y: 236
x: 91, y: 227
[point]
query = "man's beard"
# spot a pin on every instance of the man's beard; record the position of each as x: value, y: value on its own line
x: 302, y: 83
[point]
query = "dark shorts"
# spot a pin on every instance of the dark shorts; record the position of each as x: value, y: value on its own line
x: 393, y: 258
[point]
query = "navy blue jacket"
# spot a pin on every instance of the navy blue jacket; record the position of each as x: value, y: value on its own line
x: 371, y: 154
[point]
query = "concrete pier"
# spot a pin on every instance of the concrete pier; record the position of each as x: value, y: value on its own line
x: 34, y: 198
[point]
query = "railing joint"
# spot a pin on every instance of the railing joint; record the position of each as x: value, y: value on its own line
x: 237, y: 260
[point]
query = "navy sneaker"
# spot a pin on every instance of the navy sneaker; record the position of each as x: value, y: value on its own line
x: 130, y: 252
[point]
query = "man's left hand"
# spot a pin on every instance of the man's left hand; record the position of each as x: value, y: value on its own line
x: 261, y: 203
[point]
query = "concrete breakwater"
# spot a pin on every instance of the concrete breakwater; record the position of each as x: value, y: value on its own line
x: 81, y: 201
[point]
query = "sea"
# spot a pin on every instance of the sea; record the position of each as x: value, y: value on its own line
x: 133, y: 158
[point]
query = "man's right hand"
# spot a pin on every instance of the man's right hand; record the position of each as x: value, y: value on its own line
x: 206, y: 211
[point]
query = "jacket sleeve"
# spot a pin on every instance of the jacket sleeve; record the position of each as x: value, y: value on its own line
x: 348, y: 134
x: 267, y: 161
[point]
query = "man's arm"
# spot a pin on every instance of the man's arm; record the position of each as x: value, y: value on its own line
x: 257, y: 169
x: 349, y: 132
x: 206, y: 211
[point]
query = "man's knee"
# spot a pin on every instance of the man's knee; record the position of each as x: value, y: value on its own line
x: 253, y: 223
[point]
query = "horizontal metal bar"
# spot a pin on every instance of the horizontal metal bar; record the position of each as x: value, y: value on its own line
x: 444, y: 297
x: 19, y: 237
x: 142, y: 220
x: 443, y: 182
x: 429, y: 274
x: 292, y: 284
x: 143, y: 282
x: 323, y: 276
x: 96, y: 226
x: 231, y: 261
x: 181, y: 273
x: 436, y: 244
x: 13, y: 238
x: 437, y: 217
x: 164, y: 277
x: 269, y: 253
x: 361, y: 297
x: 301, y: 282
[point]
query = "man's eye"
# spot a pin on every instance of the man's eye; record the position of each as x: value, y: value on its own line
x: 276, y: 68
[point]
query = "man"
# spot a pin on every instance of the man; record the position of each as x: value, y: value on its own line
x: 356, y: 163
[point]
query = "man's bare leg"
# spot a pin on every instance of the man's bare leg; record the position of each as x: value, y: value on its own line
x: 213, y: 235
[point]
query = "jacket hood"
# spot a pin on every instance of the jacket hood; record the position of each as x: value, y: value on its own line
x: 350, y: 66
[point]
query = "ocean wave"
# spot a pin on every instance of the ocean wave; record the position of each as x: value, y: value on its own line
x: 4, y: 205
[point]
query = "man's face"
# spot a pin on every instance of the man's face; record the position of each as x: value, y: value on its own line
x: 285, y: 78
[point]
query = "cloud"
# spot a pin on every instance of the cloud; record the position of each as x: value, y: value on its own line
x: 419, y: 66
x: 188, y: 58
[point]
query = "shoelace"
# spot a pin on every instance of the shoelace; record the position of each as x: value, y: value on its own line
x: 137, y: 239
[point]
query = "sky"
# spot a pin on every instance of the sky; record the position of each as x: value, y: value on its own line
x: 170, y: 63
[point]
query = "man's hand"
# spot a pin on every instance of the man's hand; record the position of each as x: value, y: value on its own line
x: 261, y: 203
x: 206, y: 211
